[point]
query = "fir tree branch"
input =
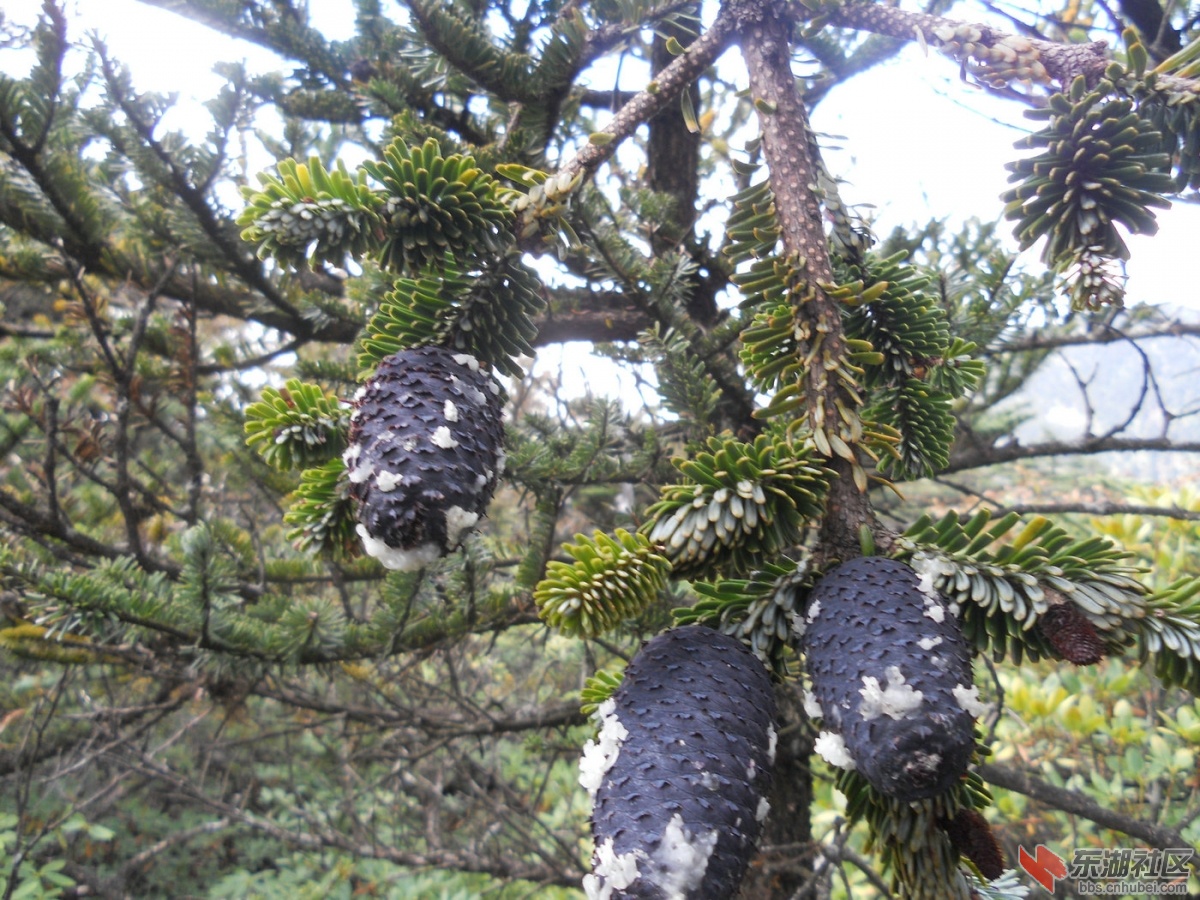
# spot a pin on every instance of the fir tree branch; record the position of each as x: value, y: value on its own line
x: 512, y: 83
x: 559, y: 715
x: 664, y: 90
x: 672, y: 157
x: 41, y: 526
x: 593, y: 322
x: 322, y: 837
x: 1063, y: 61
x: 28, y: 332
x: 289, y: 35
x: 254, y: 362
x: 871, y: 52
x: 49, y: 467
x: 612, y: 100
x: 1099, y: 508
x: 132, y: 513
x: 193, y: 461
x: 139, y: 859
x: 1078, y: 804
x: 122, y: 367
x: 764, y: 36
x: 838, y: 853
x: 81, y: 240
x: 80, y: 733
x: 85, y: 237
x: 214, y: 296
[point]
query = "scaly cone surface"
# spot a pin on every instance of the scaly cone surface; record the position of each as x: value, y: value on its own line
x: 680, y: 771
x: 891, y: 673
x: 425, y: 454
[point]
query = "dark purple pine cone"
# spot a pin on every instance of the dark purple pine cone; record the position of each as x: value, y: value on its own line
x: 891, y: 675
x: 680, y: 771
x: 425, y: 454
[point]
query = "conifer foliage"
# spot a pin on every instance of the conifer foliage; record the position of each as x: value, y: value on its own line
x: 289, y: 497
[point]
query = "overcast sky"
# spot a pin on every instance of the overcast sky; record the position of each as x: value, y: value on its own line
x: 920, y: 142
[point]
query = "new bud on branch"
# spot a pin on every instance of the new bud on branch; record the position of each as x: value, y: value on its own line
x: 680, y: 770
x: 425, y: 454
x: 891, y: 675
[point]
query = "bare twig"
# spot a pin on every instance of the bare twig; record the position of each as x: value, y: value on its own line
x: 1097, y: 508
x: 977, y: 457
x: 648, y: 103
x: 1039, y: 341
x: 1078, y: 804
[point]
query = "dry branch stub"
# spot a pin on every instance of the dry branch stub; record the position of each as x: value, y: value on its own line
x: 891, y: 675
x: 680, y: 770
x: 425, y: 454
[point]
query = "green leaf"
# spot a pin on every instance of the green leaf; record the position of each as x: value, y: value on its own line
x: 598, y: 688
x: 1001, y: 584
x: 760, y: 610
x: 689, y: 111
x: 307, y: 214
x: 910, y: 836
x: 923, y: 419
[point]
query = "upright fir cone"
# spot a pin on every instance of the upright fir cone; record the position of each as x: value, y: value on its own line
x: 971, y: 835
x: 425, y: 454
x: 680, y: 771
x: 1071, y: 635
x: 891, y: 675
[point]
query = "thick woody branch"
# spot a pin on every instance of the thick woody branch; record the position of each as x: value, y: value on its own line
x: 784, y: 122
x: 1095, y: 508
x: 765, y: 33
x: 1103, y: 509
x: 1037, y: 341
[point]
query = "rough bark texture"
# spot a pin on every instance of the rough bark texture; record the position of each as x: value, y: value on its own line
x: 765, y: 32
x: 673, y: 168
x: 1063, y: 62
x: 784, y: 121
x: 673, y: 153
